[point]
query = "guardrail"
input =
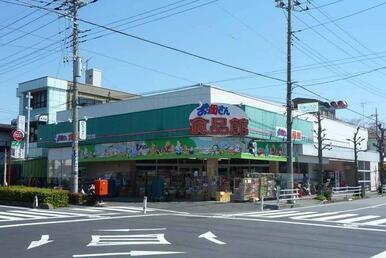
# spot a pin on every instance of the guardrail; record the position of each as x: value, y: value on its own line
x: 346, y: 191
x: 287, y: 195
x: 383, y: 189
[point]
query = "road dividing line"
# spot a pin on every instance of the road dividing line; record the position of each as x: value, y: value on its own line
x: 362, y: 218
x: 340, y: 216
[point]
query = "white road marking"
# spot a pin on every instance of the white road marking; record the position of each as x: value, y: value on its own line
x: 375, y: 222
x: 339, y: 216
x: 40, y: 214
x: 132, y: 253
x: 131, y: 229
x: 283, y: 222
x: 113, y: 240
x: 288, y: 214
x: 362, y: 218
x: 85, y: 209
x: 117, y: 209
x: 10, y: 215
x: 211, y: 237
x: 83, y: 220
x: 381, y: 255
x: 300, y: 217
x: 43, y: 240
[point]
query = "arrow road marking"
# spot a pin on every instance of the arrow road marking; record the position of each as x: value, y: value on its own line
x: 211, y: 237
x: 132, y: 253
x: 381, y: 255
x: 43, y: 240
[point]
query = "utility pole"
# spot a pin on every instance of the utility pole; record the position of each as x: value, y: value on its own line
x: 76, y: 71
x: 357, y: 142
x: 28, y: 107
x: 5, y: 167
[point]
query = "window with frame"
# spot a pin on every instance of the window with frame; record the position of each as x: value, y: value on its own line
x: 39, y: 99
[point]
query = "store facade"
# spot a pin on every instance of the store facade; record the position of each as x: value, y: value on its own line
x: 189, y: 151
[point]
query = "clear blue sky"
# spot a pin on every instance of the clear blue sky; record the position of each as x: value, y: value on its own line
x: 250, y: 34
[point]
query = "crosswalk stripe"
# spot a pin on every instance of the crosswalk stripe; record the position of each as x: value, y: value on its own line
x: 20, y: 216
x: 39, y: 214
x: 116, y: 209
x: 132, y: 208
x: 313, y: 215
x: 288, y: 215
x: 85, y: 209
x: 375, y: 222
x: 340, y: 216
x: 272, y: 215
x: 351, y: 220
x: 58, y: 212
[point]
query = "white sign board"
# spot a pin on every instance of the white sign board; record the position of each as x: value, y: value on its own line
x: 17, y: 150
x: 308, y: 107
x: 20, y: 123
x: 82, y: 130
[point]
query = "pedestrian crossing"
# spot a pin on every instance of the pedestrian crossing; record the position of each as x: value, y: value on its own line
x: 21, y: 214
x: 337, y: 217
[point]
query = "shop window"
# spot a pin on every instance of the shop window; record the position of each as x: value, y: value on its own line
x: 88, y: 102
x: 39, y: 99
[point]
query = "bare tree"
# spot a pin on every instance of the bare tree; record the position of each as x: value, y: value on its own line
x: 357, y: 141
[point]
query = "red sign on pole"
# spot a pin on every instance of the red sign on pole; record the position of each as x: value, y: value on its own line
x: 18, y: 135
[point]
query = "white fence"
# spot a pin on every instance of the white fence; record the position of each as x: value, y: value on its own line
x: 287, y: 195
x: 383, y: 189
x: 346, y: 191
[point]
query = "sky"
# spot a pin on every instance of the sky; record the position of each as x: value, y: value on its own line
x: 338, y: 48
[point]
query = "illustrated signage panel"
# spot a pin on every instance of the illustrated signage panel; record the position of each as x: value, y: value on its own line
x: 218, y: 120
x: 194, y: 147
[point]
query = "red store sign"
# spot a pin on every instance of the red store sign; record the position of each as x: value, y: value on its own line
x: 218, y: 120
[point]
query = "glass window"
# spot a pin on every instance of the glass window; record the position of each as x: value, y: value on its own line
x: 39, y: 99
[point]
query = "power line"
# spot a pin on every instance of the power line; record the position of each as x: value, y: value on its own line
x: 346, y: 16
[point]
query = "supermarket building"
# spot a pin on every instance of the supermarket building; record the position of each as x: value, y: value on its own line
x: 197, y: 139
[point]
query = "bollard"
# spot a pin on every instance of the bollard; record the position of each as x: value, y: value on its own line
x: 144, y: 204
x: 35, y: 203
x: 262, y: 203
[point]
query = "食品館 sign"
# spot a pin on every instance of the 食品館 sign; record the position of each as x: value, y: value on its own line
x: 218, y: 120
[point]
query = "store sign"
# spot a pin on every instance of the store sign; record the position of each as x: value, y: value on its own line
x: 43, y: 118
x: 20, y: 123
x: 282, y: 133
x: 17, y: 150
x: 82, y: 130
x: 218, y: 120
x: 308, y: 107
x: 18, y: 135
x: 64, y: 137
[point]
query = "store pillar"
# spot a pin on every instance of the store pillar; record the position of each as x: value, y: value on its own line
x: 273, y: 167
x: 212, y: 167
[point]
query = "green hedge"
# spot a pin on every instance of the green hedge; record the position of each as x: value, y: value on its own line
x: 57, y: 198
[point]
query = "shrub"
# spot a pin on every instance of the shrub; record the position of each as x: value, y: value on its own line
x: 57, y: 198
x: 320, y: 197
x: 76, y: 198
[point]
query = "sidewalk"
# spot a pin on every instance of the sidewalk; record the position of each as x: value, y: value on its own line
x: 213, y: 207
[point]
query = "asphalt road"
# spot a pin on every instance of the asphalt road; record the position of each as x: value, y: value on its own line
x: 349, y: 229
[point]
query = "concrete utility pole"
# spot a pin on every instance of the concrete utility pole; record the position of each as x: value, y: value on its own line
x: 28, y: 107
x: 357, y: 142
x: 290, y: 168
x: 5, y: 168
x: 76, y: 69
